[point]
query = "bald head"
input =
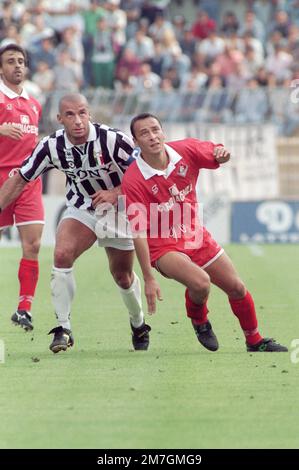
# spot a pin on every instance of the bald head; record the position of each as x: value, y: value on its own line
x: 75, y: 117
x: 72, y: 98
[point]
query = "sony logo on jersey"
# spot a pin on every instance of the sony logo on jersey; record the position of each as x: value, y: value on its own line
x: 81, y: 174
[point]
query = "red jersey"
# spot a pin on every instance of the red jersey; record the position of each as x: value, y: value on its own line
x: 167, y: 199
x: 24, y: 112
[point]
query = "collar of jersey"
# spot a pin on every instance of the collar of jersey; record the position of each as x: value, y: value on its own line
x: 91, y: 136
x: 148, y: 171
x: 11, y: 94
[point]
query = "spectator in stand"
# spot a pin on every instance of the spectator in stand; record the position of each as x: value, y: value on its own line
x: 160, y: 28
x: 237, y: 79
x: 275, y: 39
x: 252, y: 25
x: 67, y: 75
x: 293, y: 42
x: 230, y: 24
x: 167, y: 102
x: 132, y: 9
x: 157, y: 60
x: 292, y: 8
x: 262, y: 77
x: 280, y: 62
x: 151, y: 8
x: 146, y: 80
x: 117, y: 22
x: 172, y: 74
x: 129, y: 62
x: 72, y: 43
x: 179, y: 27
x: 124, y: 81
x: 64, y: 14
x: 188, y: 43
x: 141, y: 45
x: 251, y: 62
x: 43, y: 52
x: 103, y: 56
x: 44, y: 77
x: 281, y: 23
x: 174, y: 58
x: 228, y: 61
x: 91, y: 15
x: 264, y: 10
x: 252, y: 104
x: 38, y: 31
x: 11, y: 36
x: 212, y: 46
x: 197, y: 76
x: 250, y: 42
x: 203, y: 25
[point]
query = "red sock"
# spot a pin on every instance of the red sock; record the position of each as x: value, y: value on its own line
x: 197, y: 312
x: 28, y: 277
x: 245, y: 312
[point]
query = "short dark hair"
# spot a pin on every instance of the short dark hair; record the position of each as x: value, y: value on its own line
x: 140, y: 117
x: 13, y: 47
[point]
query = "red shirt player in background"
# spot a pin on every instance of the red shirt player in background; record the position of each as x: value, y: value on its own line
x: 161, y: 205
x: 19, y: 117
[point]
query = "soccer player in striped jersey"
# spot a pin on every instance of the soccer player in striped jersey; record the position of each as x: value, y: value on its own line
x: 19, y: 118
x: 94, y: 158
x: 163, y: 180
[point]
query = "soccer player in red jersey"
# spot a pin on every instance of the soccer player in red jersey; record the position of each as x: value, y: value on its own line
x: 162, y: 207
x: 19, y: 117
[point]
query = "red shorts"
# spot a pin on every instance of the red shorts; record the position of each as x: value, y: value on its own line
x: 26, y: 209
x: 208, y: 252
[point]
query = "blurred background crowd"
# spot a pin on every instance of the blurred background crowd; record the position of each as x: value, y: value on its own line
x: 232, y: 61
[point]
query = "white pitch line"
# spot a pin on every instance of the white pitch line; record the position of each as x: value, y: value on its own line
x: 256, y: 250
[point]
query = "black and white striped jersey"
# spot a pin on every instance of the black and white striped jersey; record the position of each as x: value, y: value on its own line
x: 98, y: 164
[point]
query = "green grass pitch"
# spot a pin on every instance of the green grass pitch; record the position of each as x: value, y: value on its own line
x: 101, y: 394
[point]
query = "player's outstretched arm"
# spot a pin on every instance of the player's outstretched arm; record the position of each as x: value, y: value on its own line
x: 151, y: 287
x: 11, y: 189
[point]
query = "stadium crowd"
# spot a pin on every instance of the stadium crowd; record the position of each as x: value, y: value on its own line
x: 237, y: 60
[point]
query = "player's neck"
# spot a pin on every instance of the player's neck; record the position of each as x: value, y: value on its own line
x: 158, y: 161
x: 16, y: 88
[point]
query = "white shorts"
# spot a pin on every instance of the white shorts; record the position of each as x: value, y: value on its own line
x: 111, y: 238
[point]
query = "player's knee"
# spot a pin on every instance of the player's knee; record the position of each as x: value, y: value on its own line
x: 237, y: 290
x: 64, y: 257
x: 122, y: 279
x: 202, y: 287
x: 31, y: 248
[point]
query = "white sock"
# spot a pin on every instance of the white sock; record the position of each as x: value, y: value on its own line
x: 63, y: 290
x: 132, y: 300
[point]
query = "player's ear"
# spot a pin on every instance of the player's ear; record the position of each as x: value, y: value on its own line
x: 59, y: 118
